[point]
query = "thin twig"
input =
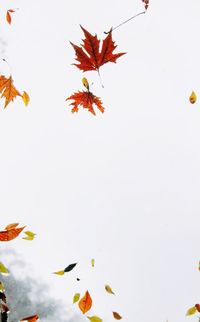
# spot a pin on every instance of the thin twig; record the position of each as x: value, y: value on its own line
x: 138, y: 14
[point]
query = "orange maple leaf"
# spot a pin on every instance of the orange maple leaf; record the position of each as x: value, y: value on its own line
x: 10, y: 233
x: 85, y: 99
x: 89, y: 55
x: 85, y: 303
x: 9, y: 92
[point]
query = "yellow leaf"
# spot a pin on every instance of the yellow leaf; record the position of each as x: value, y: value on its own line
x: 25, y: 98
x: 76, y: 297
x: 28, y: 238
x: 193, y: 97
x: 109, y: 289
x: 29, y: 233
x: 59, y: 272
x: 3, y: 269
x: 2, y: 288
x: 92, y: 262
x: 94, y: 318
x: 191, y: 311
x: 85, y: 82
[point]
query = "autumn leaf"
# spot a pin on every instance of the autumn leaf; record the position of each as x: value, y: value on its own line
x: 8, y: 15
x: 109, y: 289
x: 31, y: 318
x: 117, y: 316
x: 70, y: 267
x: 25, y: 98
x: 8, y: 90
x: 197, y: 307
x: 94, y: 318
x: 191, y: 311
x: 89, y: 55
x: 11, y: 226
x: 85, y: 303
x: 193, y: 97
x: 76, y: 297
x: 146, y: 3
x: 92, y: 262
x: 9, y: 234
x: 3, y: 269
x: 29, y: 235
x: 59, y: 272
x: 2, y: 287
x: 86, y: 99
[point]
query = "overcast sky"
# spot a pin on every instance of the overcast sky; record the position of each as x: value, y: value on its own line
x: 121, y: 187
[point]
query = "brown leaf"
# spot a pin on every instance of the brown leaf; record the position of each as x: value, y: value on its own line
x: 85, y: 303
x: 89, y: 55
x: 146, y: 2
x: 197, y: 307
x: 8, y: 90
x: 117, y: 316
x: 86, y: 99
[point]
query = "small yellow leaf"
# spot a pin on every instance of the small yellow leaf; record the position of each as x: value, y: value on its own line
x: 94, y: 318
x: 59, y: 272
x: 193, y: 97
x: 92, y: 262
x: 3, y: 269
x: 76, y: 297
x: 191, y: 311
x: 29, y: 233
x: 2, y: 287
x: 25, y: 98
x: 28, y: 238
x: 85, y: 82
x: 109, y: 289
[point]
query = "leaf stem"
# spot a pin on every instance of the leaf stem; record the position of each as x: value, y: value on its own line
x: 122, y: 23
x: 100, y: 78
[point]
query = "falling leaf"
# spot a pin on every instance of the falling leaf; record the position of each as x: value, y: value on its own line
x: 199, y: 265
x: 76, y: 297
x: 85, y: 303
x: 8, y: 15
x: 31, y: 318
x: 109, y: 289
x: 117, y: 316
x: 146, y: 2
x: 85, y: 83
x: 29, y: 235
x: 11, y: 226
x: 3, y: 269
x: 59, y: 272
x: 70, y: 267
x: 89, y: 55
x: 92, y: 262
x: 191, y: 311
x: 193, y: 97
x: 94, y: 318
x: 8, y: 90
x: 7, y: 235
x: 25, y: 98
x: 2, y: 287
x: 86, y: 100
x: 197, y: 307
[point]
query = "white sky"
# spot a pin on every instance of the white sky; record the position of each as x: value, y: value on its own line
x: 122, y: 187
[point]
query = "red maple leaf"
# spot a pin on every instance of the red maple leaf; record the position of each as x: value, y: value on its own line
x: 89, y: 55
x: 85, y: 99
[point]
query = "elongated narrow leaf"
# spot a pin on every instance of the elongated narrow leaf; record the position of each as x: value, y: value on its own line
x: 85, y: 303
x: 76, y: 297
x: 92, y: 262
x: 70, y: 267
x: 94, y: 318
x: 191, y: 311
x: 7, y: 235
x: 59, y: 272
